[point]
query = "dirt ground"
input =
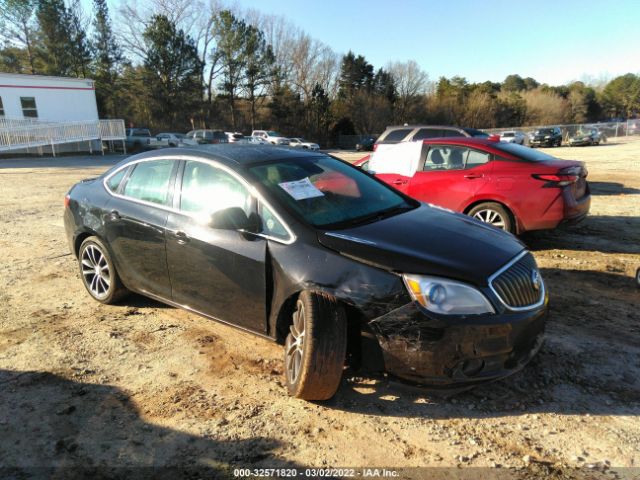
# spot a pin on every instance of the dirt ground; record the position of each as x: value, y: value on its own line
x: 145, y: 385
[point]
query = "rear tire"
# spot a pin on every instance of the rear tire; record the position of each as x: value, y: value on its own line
x: 493, y: 214
x: 316, y: 346
x: 638, y: 278
x: 98, y: 273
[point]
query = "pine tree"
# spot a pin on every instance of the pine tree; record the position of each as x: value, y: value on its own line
x: 172, y: 72
x: 229, y: 33
x: 55, y: 44
x: 259, y: 67
x: 107, y: 59
x: 81, y: 53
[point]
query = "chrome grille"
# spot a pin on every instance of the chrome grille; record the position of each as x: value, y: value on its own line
x: 515, y: 283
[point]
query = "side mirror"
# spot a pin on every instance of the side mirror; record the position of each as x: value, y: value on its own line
x: 233, y: 218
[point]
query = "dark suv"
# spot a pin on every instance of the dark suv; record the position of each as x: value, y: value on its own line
x: 410, y: 133
x: 546, y: 137
x: 208, y: 136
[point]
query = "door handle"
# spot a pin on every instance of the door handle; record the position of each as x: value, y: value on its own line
x: 472, y: 176
x: 181, y: 237
x: 114, y: 216
x: 399, y: 182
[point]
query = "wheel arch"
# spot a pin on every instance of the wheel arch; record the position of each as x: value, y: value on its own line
x: 81, y: 237
x: 355, y: 323
x: 505, y: 205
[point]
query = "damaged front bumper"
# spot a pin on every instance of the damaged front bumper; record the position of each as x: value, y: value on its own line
x: 457, y: 352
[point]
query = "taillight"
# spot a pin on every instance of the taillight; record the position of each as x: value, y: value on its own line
x: 67, y: 200
x: 556, y: 180
x: 375, y: 146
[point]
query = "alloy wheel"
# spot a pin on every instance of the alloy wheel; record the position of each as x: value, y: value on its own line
x: 491, y: 217
x: 295, y: 344
x: 95, y: 271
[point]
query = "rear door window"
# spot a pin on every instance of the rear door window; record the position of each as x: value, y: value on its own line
x: 397, y: 135
x: 428, y: 133
x: 219, y: 135
x: 452, y: 133
x: 115, y: 180
x: 475, y: 158
x: 150, y: 181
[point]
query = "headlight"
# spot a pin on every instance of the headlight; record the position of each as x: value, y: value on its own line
x: 547, y: 136
x: 447, y: 297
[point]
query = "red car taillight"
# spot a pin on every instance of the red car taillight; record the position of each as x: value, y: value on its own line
x: 67, y: 200
x: 556, y: 180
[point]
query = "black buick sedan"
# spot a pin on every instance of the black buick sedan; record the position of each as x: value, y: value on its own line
x: 315, y: 254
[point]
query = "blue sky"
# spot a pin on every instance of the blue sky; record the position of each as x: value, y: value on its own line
x: 552, y: 41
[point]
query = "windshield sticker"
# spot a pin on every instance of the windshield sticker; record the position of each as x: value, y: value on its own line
x: 301, y: 189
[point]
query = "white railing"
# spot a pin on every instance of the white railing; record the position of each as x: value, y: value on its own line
x: 23, y: 134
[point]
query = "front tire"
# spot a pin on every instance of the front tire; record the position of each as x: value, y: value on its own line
x: 316, y: 346
x: 494, y: 214
x: 98, y: 273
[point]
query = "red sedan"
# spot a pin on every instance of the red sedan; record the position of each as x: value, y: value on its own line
x: 511, y: 187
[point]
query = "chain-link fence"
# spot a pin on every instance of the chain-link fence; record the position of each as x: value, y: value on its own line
x: 608, y: 129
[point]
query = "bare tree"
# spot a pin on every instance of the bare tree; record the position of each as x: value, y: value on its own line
x: 545, y: 108
x: 410, y: 81
x: 193, y: 17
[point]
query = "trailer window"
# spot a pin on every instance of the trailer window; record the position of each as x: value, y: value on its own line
x: 29, y: 109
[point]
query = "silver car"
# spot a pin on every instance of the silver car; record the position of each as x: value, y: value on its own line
x: 512, y: 136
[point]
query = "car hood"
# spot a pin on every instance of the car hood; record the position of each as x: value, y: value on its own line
x: 428, y: 240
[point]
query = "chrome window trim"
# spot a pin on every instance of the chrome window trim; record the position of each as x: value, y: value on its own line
x: 533, y: 306
x: 250, y: 188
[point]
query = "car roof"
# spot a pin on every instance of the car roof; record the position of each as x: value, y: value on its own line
x: 468, y: 141
x: 452, y: 127
x: 232, y: 153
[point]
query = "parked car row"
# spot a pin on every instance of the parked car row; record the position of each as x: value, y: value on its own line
x: 329, y: 261
x: 141, y: 139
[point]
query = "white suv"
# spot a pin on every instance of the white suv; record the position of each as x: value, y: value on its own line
x: 271, y: 136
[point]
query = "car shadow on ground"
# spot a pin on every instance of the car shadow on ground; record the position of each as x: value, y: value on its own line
x: 598, y: 233
x: 71, y: 162
x: 611, y: 188
x: 587, y: 365
x: 53, y: 427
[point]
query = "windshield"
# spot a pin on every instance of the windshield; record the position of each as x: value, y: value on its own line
x: 271, y: 133
x: 544, y: 131
x: 327, y: 193
x: 509, y: 134
x: 525, y: 153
